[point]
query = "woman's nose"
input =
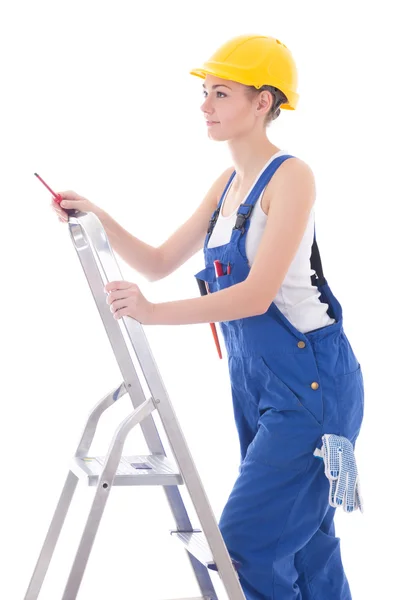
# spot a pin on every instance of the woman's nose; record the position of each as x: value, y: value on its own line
x: 206, y: 107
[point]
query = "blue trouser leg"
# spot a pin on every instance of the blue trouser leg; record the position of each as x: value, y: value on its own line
x: 277, y: 522
x: 319, y: 564
x: 246, y: 424
x: 278, y: 504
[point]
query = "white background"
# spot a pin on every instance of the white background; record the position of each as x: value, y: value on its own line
x: 96, y: 97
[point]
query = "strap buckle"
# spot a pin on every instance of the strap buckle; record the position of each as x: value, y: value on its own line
x: 213, y: 220
x: 242, y: 218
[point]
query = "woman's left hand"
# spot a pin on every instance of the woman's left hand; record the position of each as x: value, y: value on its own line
x: 126, y: 300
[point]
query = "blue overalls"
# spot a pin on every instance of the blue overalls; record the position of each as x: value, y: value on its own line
x: 288, y: 390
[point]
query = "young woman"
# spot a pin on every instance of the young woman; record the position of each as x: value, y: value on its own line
x: 297, y: 386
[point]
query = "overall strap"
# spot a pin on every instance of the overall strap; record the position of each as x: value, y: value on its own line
x: 246, y: 208
x: 216, y: 212
x: 318, y: 278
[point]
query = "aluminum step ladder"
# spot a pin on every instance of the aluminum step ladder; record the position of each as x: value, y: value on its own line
x: 205, y: 547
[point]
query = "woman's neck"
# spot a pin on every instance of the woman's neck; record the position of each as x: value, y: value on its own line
x: 249, y: 155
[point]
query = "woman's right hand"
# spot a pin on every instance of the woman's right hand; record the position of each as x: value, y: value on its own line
x: 71, y: 200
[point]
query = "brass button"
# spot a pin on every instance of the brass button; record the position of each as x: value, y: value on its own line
x: 315, y: 385
x: 301, y: 344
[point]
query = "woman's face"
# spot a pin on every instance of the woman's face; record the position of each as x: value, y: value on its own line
x: 229, y: 110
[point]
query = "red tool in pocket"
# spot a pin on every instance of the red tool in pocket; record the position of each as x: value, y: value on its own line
x: 218, y: 268
x: 219, y: 271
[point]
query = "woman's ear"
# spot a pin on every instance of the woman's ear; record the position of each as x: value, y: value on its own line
x: 264, y: 102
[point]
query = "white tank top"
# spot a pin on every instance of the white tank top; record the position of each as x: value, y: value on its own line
x: 297, y: 298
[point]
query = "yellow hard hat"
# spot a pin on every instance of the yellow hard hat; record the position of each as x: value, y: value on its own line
x: 255, y: 60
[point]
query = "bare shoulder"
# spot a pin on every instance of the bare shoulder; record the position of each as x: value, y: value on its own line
x: 293, y: 180
x: 292, y: 172
x: 293, y: 169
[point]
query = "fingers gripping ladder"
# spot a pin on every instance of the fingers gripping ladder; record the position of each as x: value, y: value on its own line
x: 205, y: 548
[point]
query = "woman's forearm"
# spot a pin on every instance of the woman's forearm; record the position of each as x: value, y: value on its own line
x: 236, y: 302
x: 140, y: 256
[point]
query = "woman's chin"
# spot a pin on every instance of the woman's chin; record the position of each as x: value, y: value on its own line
x: 216, y: 135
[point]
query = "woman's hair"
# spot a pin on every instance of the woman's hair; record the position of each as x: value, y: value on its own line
x: 278, y: 98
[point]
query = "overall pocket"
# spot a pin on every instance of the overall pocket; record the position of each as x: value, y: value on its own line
x: 280, y: 393
x: 287, y: 432
x: 350, y: 402
x: 222, y: 282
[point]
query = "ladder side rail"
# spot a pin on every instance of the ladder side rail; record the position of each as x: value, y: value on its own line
x: 93, y: 249
x: 175, y: 435
x: 96, y: 283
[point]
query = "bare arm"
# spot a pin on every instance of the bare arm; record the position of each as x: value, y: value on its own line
x: 157, y: 262
x: 189, y: 238
x: 292, y: 197
x: 137, y: 254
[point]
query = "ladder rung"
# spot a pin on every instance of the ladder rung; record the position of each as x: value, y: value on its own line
x: 196, y: 543
x: 154, y: 469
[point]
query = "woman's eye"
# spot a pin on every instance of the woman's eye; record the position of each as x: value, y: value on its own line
x: 219, y: 94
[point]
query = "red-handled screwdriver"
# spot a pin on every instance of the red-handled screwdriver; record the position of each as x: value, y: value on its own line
x: 214, y: 332
x: 57, y: 197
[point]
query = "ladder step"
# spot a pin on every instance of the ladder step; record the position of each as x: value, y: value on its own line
x: 155, y: 469
x: 196, y: 543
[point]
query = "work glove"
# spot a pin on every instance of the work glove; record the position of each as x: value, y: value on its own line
x: 341, y: 470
